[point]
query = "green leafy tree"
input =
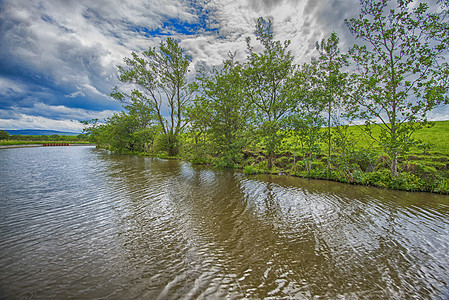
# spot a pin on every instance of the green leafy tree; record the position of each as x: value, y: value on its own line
x: 266, y: 77
x: 332, y: 82
x: 160, y: 84
x: 305, y: 129
x: 401, y: 73
x: 221, y: 109
x: 4, y: 135
x: 306, y: 122
x: 91, y: 130
x: 122, y: 133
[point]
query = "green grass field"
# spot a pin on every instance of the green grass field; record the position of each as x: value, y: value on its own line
x: 438, y: 136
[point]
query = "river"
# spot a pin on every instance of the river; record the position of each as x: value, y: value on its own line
x: 78, y: 222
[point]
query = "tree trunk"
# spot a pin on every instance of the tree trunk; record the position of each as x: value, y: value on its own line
x: 172, y: 148
x: 270, y: 160
x: 309, y: 167
x: 329, y: 138
x: 294, y: 158
x: 394, y: 165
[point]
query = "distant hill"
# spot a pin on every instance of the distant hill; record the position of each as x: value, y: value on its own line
x: 39, y: 132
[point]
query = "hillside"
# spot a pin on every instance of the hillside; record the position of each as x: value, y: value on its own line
x: 40, y: 132
x: 437, y: 136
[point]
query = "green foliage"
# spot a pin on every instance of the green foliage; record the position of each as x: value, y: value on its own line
x: 401, y: 70
x: 305, y: 129
x: 249, y: 170
x: 365, y: 159
x: 159, y: 77
x: 267, y: 85
x: 4, y: 135
x: 380, y: 178
x: 123, y: 133
x: 343, y: 141
x: 331, y: 83
x: 221, y: 111
x: 38, y: 139
x: 442, y: 186
x: 283, y: 162
x: 264, y: 167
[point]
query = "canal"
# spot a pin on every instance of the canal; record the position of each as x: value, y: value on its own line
x: 78, y: 222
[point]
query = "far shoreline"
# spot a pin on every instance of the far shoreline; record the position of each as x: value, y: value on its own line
x: 40, y: 145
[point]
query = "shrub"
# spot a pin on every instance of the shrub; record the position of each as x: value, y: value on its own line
x: 249, y: 170
x: 197, y: 160
x: 442, y: 186
x: 318, y: 165
x: 406, y: 181
x: 282, y: 161
x: 357, y: 176
x: 300, y: 166
x: 4, y: 135
x: 365, y: 159
x: 224, y: 163
x: 422, y: 170
x: 263, y: 166
x: 383, y: 162
x: 379, y: 178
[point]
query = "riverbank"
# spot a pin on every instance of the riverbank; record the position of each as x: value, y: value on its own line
x: 418, y: 172
x: 354, y: 158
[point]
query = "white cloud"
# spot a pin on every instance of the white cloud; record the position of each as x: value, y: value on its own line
x: 439, y: 114
x: 298, y: 21
x: 63, y: 112
x: 76, y: 44
x: 22, y: 121
x: 9, y: 87
x: 87, y: 90
x: 79, y: 43
x: 44, y: 116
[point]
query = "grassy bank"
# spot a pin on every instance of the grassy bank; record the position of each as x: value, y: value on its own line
x: 421, y: 169
x: 363, y: 161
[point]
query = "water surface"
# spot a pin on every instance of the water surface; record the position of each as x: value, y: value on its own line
x: 77, y: 222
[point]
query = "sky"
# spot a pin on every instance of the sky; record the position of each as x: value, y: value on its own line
x: 59, y: 57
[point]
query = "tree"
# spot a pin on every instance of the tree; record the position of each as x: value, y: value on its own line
x: 159, y: 78
x: 267, y: 75
x: 331, y: 81
x: 306, y: 121
x: 4, y: 135
x: 123, y: 132
x: 221, y: 109
x: 400, y: 70
x: 91, y: 129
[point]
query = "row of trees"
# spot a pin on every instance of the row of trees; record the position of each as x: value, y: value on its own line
x: 4, y: 135
x: 391, y: 79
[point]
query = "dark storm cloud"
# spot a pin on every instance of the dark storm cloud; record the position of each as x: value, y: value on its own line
x: 59, y: 57
x: 332, y: 15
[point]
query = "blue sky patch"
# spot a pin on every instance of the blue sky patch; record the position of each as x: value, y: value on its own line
x: 171, y: 26
x: 204, y: 25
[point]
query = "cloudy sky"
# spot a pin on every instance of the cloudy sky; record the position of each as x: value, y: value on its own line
x: 58, y: 57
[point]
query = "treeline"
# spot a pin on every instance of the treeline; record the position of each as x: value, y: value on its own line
x: 4, y: 135
x: 268, y: 114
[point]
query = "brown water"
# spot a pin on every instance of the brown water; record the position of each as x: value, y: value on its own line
x: 76, y: 222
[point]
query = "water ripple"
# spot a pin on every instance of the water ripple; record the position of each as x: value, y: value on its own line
x: 76, y: 222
